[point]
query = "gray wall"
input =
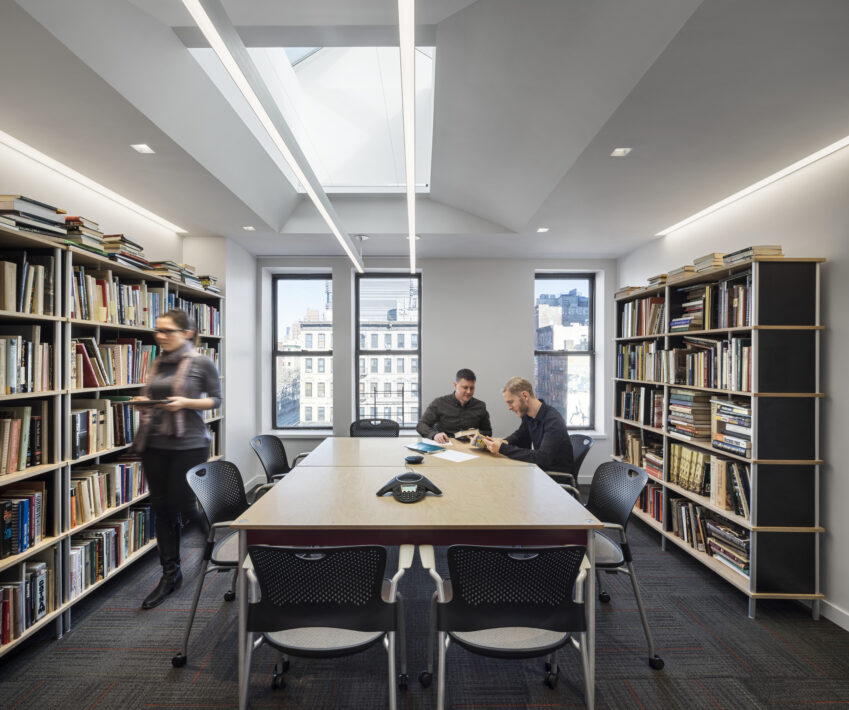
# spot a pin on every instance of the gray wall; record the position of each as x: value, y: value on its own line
x: 476, y: 313
x: 808, y: 214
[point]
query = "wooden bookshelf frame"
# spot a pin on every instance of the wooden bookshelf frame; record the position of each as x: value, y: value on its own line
x: 784, y: 462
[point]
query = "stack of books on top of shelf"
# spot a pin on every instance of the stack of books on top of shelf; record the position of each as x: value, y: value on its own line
x: 689, y: 414
x: 30, y: 215
x: 729, y: 544
x: 749, y: 253
x: 84, y: 232
x: 625, y: 290
x: 123, y: 250
x: 189, y: 276
x: 682, y: 272
x: 708, y: 262
x: 208, y: 281
x: 658, y: 280
x: 731, y: 427
x: 167, y: 269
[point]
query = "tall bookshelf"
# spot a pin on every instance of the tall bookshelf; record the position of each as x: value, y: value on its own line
x: 743, y: 375
x: 67, y: 457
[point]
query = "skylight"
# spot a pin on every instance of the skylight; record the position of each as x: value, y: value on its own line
x: 344, y: 106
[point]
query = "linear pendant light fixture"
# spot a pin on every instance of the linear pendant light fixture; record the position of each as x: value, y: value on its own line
x: 79, y: 178
x: 407, y: 41
x: 213, y: 22
x: 798, y: 165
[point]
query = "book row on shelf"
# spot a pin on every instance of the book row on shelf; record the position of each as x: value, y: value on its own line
x: 697, y: 362
x: 717, y: 399
x: 74, y: 509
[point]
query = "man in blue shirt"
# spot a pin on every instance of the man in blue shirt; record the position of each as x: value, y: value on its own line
x: 541, y: 438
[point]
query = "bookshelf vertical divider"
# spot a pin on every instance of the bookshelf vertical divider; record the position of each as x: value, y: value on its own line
x: 54, y: 474
x: 717, y: 396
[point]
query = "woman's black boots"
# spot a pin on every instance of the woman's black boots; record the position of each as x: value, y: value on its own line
x: 168, y: 541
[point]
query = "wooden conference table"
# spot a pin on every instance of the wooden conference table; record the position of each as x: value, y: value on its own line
x: 329, y: 499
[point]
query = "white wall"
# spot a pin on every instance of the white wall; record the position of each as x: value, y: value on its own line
x: 808, y: 214
x: 476, y: 313
x: 21, y: 175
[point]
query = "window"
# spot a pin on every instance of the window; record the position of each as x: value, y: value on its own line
x: 362, y: 412
x: 321, y: 389
x: 414, y: 364
x: 321, y: 414
x: 564, y: 353
x: 302, y: 321
x: 388, y: 304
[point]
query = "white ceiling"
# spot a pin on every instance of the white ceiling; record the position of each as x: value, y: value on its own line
x: 530, y: 98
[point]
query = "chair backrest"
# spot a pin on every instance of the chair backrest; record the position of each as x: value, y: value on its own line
x: 219, y: 489
x: 272, y: 455
x: 614, y: 491
x: 375, y: 427
x: 508, y: 586
x: 339, y: 587
x: 581, y: 445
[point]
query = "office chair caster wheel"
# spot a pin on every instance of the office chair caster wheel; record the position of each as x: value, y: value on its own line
x: 603, y: 597
x: 551, y: 679
x: 402, y: 681
x: 425, y: 679
x: 179, y: 660
x: 229, y: 596
x: 656, y: 662
x: 277, y: 680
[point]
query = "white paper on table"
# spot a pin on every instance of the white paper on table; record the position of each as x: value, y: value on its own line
x: 457, y: 456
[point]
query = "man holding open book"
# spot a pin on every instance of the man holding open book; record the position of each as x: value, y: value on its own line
x: 455, y: 412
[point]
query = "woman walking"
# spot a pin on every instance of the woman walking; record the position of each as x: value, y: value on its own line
x: 172, y: 436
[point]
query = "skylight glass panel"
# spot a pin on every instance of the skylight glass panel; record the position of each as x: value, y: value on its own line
x: 344, y: 106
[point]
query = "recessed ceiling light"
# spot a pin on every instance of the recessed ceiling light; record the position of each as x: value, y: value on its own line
x: 417, y: 237
x: 542, y: 230
x: 142, y: 148
x: 620, y: 152
x: 61, y: 169
x: 249, y: 228
x: 361, y: 237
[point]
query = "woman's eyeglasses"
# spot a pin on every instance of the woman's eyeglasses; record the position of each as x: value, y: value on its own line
x: 168, y: 331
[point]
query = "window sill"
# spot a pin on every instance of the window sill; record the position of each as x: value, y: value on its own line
x: 307, y: 434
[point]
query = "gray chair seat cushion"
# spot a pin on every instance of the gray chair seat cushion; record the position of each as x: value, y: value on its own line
x: 513, y: 638
x: 607, y: 552
x: 322, y: 638
x: 226, y: 551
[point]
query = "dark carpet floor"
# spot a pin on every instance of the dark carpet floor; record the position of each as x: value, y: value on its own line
x: 118, y: 656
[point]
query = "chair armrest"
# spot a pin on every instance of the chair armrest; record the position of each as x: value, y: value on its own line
x: 580, y: 580
x: 572, y: 491
x: 428, y: 559
x: 299, y: 457
x: 405, y: 556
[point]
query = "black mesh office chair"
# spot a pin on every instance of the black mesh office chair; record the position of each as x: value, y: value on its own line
x: 613, y: 493
x: 272, y: 456
x: 507, y: 602
x: 581, y: 445
x: 220, y: 491
x: 375, y: 427
x: 325, y: 602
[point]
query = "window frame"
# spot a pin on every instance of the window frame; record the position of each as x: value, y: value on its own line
x: 590, y: 352
x: 415, y: 397
x: 312, y: 353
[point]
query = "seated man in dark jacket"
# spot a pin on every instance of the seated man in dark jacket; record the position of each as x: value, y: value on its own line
x: 541, y: 438
x: 455, y: 412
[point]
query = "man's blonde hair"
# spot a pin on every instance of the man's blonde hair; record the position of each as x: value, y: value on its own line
x: 518, y: 384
